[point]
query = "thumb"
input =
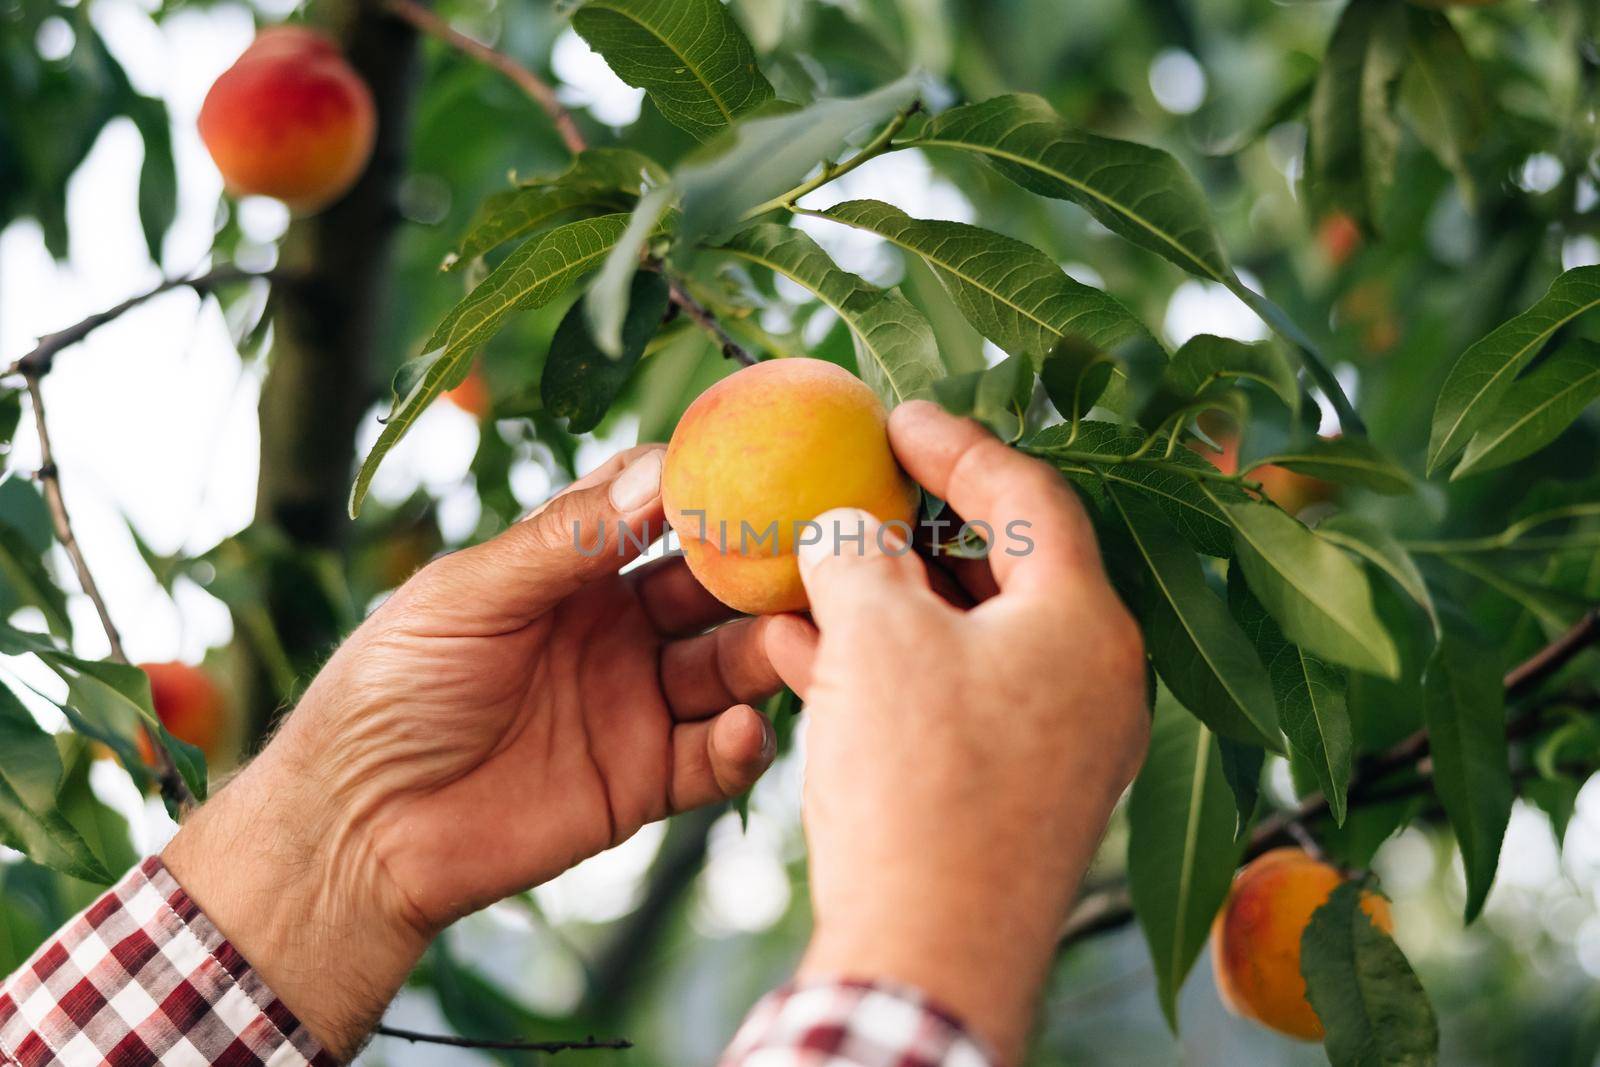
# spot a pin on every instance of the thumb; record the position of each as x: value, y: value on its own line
x: 853, y: 565
x: 587, y: 532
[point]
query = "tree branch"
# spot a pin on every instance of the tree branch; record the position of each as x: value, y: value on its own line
x: 1109, y: 908
x: 37, y: 363
x: 505, y: 1046
x: 707, y: 321
x: 535, y: 87
x: 173, y: 787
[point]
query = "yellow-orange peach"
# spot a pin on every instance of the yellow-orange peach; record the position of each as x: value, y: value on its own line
x: 290, y: 120
x: 1290, y: 490
x: 761, y: 453
x: 472, y: 395
x: 1255, y: 940
x: 190, y: 705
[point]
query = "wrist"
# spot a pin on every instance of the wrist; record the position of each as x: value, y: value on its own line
x: 294, y: 887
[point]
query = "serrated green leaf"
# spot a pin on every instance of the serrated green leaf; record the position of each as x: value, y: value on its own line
x: 1442, y: 92
x: 30, y: 779
x: 1536, y: 410
x: 530, y: 277
x: 1181, y: 846
x: 24, y: 580
x: 1075, y: 374
x: 1349, y: 460
x: 1353, y: 137
x: 1463, y: 707
x: 997, y: 397
x: 1480, y: 378
x: 1373, y: 1009
x: 1355, y: 534
x: 1310, y: 695
x: 606, y: 303
x: 1193, y: 512
x: 1198, y: 650
x: 110, y: 702
x: 894, y: 343
x: 960, y: 346
x: 600, y: 180
x: 763, y: 157
x: 1316, y: 593
x: 1241, y: 766
x: 1207, y: 366
x: 689, y: 55
x: 580, y: 381
x: 1011, y: 292
x: 1139, y: 192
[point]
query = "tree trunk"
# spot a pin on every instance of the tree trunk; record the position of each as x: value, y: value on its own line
x: 324, y: 373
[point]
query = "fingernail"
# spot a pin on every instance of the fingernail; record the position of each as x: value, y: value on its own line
x: 842, y: 531
x: 639, y: 482
x: 769, y: 740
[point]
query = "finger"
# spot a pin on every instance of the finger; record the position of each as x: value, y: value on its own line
x: 718, y: 758
x: 704, y: 675
x: 1040, y: 535
x: 674, y: 600
x: 854, y: 568
x: 792, y: 650
x: 577, y: 537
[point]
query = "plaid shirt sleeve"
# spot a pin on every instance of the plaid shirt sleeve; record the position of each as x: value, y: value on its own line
x: 142, y: 978
x: 843, y: 1023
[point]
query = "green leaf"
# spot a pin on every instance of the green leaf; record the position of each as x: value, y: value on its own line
x: 580, y: 381
x: 1480, y: 378
x: 1353, y: 138
x: 600, y: 180
x: 1463, y: 706
x: 30, y: 779
x: 530, y: 277
x: 689, y: 55
x: 1350, y: 460
x: 1241, y: 766
x: 1011, y: 292
x: 1181, y: 847
x: 894, y: 343
x: 1316, y: 593
x: 1198, y: 650
x: 762, y: 158
x: 24, y: 579
x: 1536, y: 409
x: 1375, y: 1012
x: 1310, y: 695
x: 606, y: 304
x: 1139, y: 192
x: 1075, y: 374
x: 158, y: 177
x: 997, y: 397
x: 1193, y: 512
x: 1208, y: 366
x: 960, y: 346
x: 1355, y: 534
x: 1442, y: 92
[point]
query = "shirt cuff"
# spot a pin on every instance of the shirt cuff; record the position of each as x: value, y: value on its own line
x: 845, y: 1021
x: 142, y: 977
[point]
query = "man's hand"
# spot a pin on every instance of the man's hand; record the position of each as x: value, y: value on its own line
x: 961, y: 765
x: 514, y: 708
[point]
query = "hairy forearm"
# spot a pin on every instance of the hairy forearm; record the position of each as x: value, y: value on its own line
x: 295, y: 890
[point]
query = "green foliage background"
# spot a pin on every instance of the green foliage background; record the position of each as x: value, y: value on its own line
x: 1461, y: 145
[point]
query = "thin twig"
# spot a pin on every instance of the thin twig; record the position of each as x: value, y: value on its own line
x: 38, y: 361
x: 173, y: 787
x: 539, y: 90
x: 552, y: 1047
x: 1110, y: 908
x: 707, y: 321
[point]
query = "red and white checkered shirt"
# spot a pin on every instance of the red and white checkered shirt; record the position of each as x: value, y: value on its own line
x: 142, y: 978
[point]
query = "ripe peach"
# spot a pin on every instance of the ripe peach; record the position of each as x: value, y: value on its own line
x: 290, y: 119
x: 189, y: 704
x: 1255, y: 940
x: 761, y: 453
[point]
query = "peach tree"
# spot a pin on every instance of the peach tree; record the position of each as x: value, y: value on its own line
x: 1360, y: 533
